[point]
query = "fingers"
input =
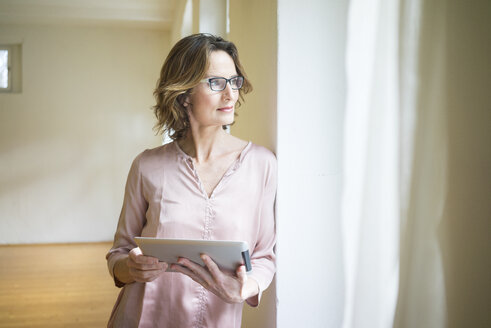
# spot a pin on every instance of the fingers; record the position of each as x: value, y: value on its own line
x: 137, y: 256
x: 139, y: 261
x: 144, y: 268
x: 146, y: 276
x: 196, y: 270
x: 182, y: 269
x: 226, y: 285
x: 211, y: 265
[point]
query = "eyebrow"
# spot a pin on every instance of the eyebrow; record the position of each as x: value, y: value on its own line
x: 215, y: 76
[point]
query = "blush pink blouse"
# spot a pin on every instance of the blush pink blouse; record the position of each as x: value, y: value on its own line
x: 164, y: 198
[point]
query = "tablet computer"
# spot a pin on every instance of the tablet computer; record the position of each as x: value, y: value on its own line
x: 227, y: 255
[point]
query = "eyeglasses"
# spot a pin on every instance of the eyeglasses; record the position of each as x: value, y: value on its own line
x: 220, y: 83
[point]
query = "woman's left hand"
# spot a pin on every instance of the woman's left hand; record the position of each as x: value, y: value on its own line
x: 229, y: 287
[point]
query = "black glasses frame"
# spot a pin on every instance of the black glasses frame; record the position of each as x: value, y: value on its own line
x: 229, y: 81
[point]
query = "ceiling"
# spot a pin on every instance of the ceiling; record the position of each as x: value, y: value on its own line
x: 154, y: 14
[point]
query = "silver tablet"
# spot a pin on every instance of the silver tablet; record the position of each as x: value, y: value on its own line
x: 227, y: 255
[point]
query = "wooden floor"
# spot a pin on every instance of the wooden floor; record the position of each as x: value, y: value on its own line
x: 64, y: 285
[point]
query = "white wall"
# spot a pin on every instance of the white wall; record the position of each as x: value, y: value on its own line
x: 311, y: 43
x: 68, y: 139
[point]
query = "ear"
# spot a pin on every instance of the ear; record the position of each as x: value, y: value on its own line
x: 184, y: 100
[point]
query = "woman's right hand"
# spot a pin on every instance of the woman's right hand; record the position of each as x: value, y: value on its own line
x: 143, y: 268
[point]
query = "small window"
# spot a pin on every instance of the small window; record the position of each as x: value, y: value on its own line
x: 5, y: 81
x: 10, y: 68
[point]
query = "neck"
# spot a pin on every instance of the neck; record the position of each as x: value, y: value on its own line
x: 203, y: 144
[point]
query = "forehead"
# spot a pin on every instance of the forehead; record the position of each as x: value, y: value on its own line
x: 221, y: 64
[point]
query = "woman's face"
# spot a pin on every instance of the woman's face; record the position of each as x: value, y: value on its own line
x: 207, y: 108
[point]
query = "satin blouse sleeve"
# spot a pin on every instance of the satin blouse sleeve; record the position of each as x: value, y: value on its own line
x: 131, y: 220
x: 263, y: 259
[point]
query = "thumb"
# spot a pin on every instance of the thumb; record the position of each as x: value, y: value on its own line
x: 135, y: 252
x: 242, y: 275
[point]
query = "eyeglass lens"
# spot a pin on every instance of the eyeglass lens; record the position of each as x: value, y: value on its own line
x: 219, y: 83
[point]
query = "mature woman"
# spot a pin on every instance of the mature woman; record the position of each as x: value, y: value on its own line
x: 206, y: 184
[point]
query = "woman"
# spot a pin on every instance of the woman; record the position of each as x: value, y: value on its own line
x: 206, y: 184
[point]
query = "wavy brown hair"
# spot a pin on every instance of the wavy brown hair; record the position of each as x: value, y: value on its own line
x: 183, y: 69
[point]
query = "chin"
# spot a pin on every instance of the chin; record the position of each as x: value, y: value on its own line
x: 229, y: 119
x: 226, y: 123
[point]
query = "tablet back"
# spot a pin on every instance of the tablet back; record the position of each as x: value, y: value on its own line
x: 227, y: 255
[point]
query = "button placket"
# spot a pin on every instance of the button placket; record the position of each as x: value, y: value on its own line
x: 209, y: 217
x: 207, y: 228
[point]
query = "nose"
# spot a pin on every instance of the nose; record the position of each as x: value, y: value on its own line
x: 228, y: 91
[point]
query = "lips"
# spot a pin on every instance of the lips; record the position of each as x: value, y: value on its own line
x: 226, y: 109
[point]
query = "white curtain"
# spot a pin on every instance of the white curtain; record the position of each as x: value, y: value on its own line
x: 394, y: 164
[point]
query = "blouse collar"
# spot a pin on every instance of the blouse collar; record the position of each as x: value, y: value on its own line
x: 186, y: 157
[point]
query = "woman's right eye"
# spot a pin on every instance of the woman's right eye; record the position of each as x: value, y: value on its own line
x: 215, y: 83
